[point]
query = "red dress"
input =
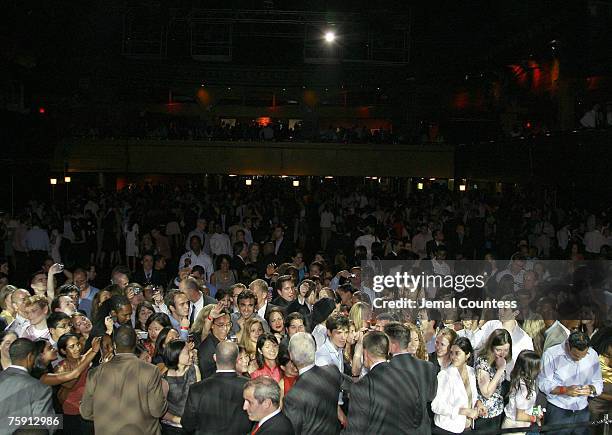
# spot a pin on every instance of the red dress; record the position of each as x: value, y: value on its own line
x: 274, y: 373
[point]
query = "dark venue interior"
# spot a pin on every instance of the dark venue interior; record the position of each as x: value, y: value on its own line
x: 286, y: 217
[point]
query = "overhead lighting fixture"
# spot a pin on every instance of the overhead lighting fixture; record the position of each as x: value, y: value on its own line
x: 296, y: 183
x: 283, y: 176
x: 248, y: 182
x: 53, y: 181
x: 329, y: 177
x: 232, y: 175
x: 330, y: 37
x: 462, y: 187
x: 420, y: 186
x: 67, y: 179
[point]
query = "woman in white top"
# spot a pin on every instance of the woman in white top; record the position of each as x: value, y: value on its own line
x: 523, y: 392
x: 456, y: 404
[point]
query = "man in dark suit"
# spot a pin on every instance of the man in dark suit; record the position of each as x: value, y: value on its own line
x: 460, y: 245
x: 262, y: 403
x: 417, y: 379
x: 432, y: 246
x: 220, y: 326
x: 285, y: 288
x: 240, y: 250
x: 147, y: 274
x: 22, y: 395
x: 214, y: 405
x: 312, y: 404
x: 374, y: 398
x: 283, y: 248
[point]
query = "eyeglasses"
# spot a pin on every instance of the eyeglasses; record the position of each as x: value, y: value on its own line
x: 223, y: 325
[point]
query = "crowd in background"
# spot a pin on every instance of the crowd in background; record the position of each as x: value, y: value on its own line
x: 168, y: 301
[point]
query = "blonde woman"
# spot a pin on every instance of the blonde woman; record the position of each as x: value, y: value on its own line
x: 247, y: 338
x: 360, y: 315
x: 535, y: 326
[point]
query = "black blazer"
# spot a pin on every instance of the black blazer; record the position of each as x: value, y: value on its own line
x: 156, y: 278
x: 312, y: 404
x: 376, y: 403
x: 286, y: 250
x: 206, y: 350
x: 408, y: 369
x: 214, y: 406
x: 277, y: 425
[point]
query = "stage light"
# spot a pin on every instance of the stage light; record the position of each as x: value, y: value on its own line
x: 329, y: 177
x: 462, y: 187
x: 53, y: 181
x: 283, y: 176
x: 420, y: 186
x: 330, y: 37
x: 248, y: 182
x: 232, y: 175
x: 296, y: 183
x: 67, y: 179
x: 41, y: 110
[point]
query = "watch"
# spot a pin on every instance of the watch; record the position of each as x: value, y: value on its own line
x: 593, y: 390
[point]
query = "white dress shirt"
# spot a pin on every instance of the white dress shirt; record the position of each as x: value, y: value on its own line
x: 202, y: 259
x: 451, y: 396
x: 268, y: 417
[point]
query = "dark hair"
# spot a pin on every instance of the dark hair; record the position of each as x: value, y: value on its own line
x: 376, y: 343
x: 579, y: 340
x: 40, y: 367
x: 311, y: 286
x: 161, y: 318
x: 220, y: 258
x: 246, y: 294
x: 171, y: 353
x: 20, y: 349
x: 161, y: 339
x: 171, y: 296
x: 118, y: 301
x: 67, y: 288
x: 124, y: 338
x: 464, y: 344
x: 398, y: 333
x: 56, y: 317
x: 144, y: 304
x: 199, y: 269
x: 261, y: 341
x: 281, y: 279
x: 62, y: 342
x: 223, y: 292
x: 237, y: 247
x: 435, y: 315
x: 526, y: 370
x: 293, y: 316
x: 272, y: 311
x: 336, y: 322
x: 124, y: 270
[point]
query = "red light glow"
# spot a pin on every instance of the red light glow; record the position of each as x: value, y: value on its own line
x: 41, y: 110
x: 263, y: 120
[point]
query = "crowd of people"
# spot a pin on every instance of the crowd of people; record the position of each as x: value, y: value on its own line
x: 253, y: 311
x: 255, y: 130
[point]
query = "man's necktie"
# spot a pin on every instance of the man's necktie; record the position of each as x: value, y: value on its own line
x: 192, y: 315
x: 255, y: 429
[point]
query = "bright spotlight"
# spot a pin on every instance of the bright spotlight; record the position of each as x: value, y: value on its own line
x: 296, y: 183
x: 248, y: 182
x: 330, y: 37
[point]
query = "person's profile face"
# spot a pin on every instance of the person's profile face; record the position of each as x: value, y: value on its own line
x: 6, y: 342
x: 458, y: 356
x: 442, y: 346
x: 288, y: 290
